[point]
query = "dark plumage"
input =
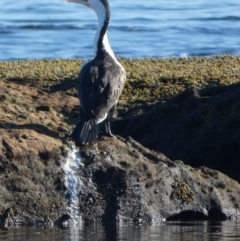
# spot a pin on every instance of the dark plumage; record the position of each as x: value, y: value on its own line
x: 100, y: 82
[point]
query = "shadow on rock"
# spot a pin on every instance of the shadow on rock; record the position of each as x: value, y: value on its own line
x: 36, y: 127
x: 198, y: 126
x: 112, y: 185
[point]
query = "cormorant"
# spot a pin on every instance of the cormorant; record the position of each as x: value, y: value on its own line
x: 100, y: 81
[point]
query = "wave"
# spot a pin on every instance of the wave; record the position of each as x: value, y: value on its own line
x: 134, y: 29
x: 122, y: 28
x: 12, y: 28
x: 49, y: 27
x: 225, y: 18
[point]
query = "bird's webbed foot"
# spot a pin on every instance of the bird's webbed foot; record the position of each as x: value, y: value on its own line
x: 108, y: 130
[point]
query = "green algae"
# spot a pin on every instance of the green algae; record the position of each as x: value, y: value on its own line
x: 148, y: 80
x: 40, y: 70
x: 181, y: 191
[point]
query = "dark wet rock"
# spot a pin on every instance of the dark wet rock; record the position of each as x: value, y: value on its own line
x: 198, y: 126
x: 8, y: 217
x: 2, y: 97
x: 43, y: 108
x: 122, y: 180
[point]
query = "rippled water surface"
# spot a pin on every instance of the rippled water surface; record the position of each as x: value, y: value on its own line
x: 54, y: 29
x: 168, y: 231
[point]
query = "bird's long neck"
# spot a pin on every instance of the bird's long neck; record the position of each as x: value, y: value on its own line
x: 101, y: 40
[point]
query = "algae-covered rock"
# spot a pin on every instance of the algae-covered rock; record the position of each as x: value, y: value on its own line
x: 167, y: 105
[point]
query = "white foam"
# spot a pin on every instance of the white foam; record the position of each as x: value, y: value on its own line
x: 73, y: 182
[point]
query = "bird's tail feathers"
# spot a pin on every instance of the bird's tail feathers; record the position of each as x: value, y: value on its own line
x: 90, y: 132
x: 85, y: 132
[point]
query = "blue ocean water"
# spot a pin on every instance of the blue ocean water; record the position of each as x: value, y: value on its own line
x: 36, y: 29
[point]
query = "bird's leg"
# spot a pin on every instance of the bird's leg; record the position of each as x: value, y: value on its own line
x: 107, y: 122
x: 108, y: 129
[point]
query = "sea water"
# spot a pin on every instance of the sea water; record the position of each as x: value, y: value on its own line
x: 35, y: 29
x: 167, y: 231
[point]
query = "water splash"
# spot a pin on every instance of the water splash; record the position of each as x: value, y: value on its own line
x: 73, y: 182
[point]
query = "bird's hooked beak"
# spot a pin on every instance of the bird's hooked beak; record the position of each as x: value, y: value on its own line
x: 83, y: 2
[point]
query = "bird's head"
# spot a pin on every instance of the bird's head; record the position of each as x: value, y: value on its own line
x: 100, y: 6
x: 88, y: 3
x: 83, y: 2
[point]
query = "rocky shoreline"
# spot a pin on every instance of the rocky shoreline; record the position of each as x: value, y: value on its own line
x: 176, y: 156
